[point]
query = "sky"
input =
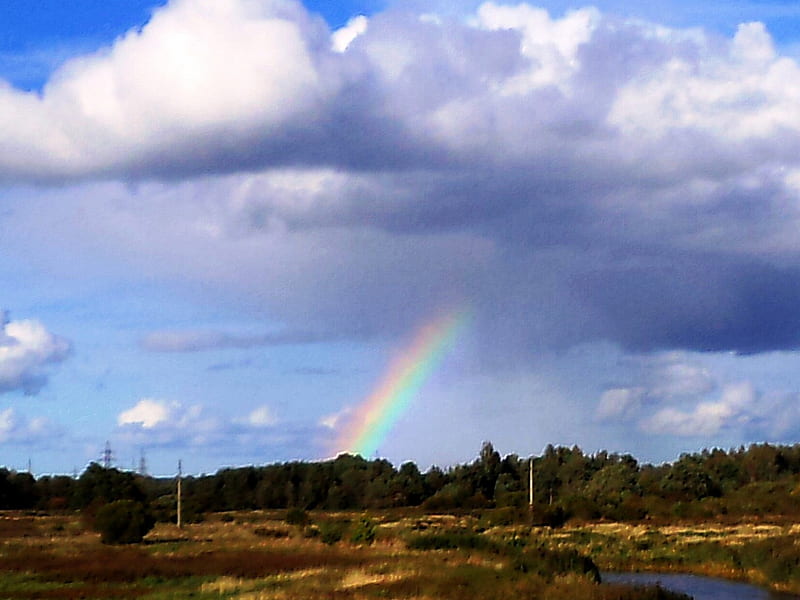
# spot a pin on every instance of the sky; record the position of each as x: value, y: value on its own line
x: 230, y: 230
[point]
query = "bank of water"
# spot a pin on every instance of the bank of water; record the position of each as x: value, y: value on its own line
x: 700, y: 588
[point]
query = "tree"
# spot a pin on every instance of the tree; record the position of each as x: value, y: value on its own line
x: 123, y: 522
x: 408, y: 486
x: 612, y: 489
x: 101, y: 485
x: 687, y: 479
x: 489, y: 470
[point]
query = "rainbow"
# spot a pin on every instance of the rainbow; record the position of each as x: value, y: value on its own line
x: 372, y: 419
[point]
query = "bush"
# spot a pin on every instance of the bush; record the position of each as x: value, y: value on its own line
x: 297, y: 516
x: 450, y: 540
x: 550, y: 516
x: 363, y: 532
x: 331, y: 532
x: 123, y: 522
x: 507, y: 515
x: 164, y: 510
x: 548, y: 563
x: 271, y: 532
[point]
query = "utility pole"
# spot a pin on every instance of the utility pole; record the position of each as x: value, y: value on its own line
x: 530, y: 486
x: 180, y: 476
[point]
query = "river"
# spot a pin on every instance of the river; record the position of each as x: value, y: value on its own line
x: 700, y: 588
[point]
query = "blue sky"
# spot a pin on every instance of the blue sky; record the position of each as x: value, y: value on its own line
x: 220, y: 222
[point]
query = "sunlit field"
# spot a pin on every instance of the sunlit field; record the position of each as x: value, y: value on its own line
x: 259, y: 555
x: 761, y: 552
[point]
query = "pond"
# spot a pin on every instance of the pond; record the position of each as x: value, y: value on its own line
x: 700, y: 588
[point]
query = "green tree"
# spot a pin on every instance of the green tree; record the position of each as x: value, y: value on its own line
x: 99, y: 485
x: 123, y: 522
x: 489, y: 466
x: 612, y: 490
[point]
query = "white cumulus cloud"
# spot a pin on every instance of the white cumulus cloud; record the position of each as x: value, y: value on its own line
x: 200, y: 69
x: 345, y: 36
x: 153, y: 422
x: 26, y: 348
x: 732, y: 409
x: 148, y: 413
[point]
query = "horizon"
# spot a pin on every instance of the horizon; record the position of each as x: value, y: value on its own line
x: 223, y: 224
x: 136, y: 469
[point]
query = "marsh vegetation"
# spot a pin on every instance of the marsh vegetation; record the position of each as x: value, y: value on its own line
x: 262, y: 555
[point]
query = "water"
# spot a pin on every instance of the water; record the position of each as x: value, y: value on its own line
x: 700, y: 588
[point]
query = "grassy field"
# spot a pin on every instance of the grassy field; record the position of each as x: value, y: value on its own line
x: 759, y: 552
x: 259, y: 555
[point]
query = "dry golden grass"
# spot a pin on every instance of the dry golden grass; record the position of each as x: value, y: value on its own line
x: 228, y: 558
x: 763, y: 553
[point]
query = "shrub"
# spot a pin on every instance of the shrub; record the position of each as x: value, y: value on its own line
x: 363, y: 532
x: 450, y: 540
x: 331, y: 532
x: 547, y: 563
x: 550, y: 516
x: 123, y: 522
x: 312, y: 531
x: 297, y: 516
x: 271, y: 532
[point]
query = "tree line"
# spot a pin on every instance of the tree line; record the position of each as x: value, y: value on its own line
x: 761, y: 479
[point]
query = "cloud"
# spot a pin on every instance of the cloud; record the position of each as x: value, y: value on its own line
x: 161, y: 423
x: 333, y: 421
x: 17, y: 429
x: 675, y: 394
x: 156, y: 423
x: 262, y: 417
x: 620, y: 403
x: 198, y: 341
x: 573, y: 179
x: 227, y: 366
x: 732, y: 409
x: 198, y: 69
x: 672, y: 376
x: 26, y: 349
x: 148, y: 414
x: 345, y: 36
x: 312, y: 371
x: 665, y: 378
x: 262, y: 87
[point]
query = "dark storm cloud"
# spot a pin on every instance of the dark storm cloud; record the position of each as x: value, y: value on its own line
x: 703, y: 303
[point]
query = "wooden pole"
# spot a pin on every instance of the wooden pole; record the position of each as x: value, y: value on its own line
x: 180, y: 476
x: 530, y: 486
